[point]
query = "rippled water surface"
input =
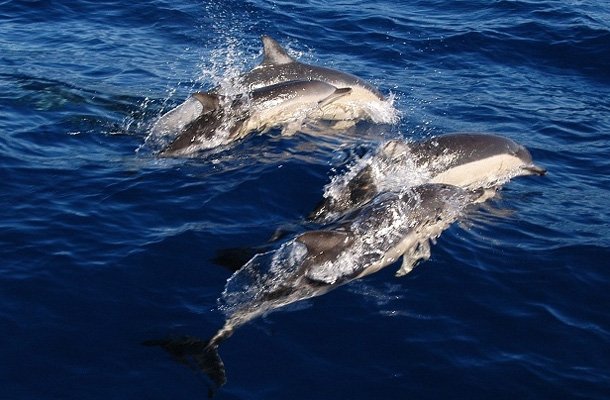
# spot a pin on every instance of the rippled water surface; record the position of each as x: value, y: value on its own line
x: 104, y: 245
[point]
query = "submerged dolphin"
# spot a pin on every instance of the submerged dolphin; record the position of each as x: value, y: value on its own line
x: 282, y: 104
x: 362, y: 242
x: 468, y: 160
x: 364, y: 101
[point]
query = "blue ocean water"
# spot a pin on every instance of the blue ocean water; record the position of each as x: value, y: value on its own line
x: 104, y: 245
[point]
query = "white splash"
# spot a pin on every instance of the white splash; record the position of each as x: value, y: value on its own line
x: 391, y: 170
x: 263, y: 274
x: 383, y: 112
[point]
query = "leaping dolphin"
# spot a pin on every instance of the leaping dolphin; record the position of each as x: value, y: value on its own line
x: 313, y: 263
x: 467, y: 160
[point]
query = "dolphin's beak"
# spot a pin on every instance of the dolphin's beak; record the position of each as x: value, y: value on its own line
x: 533, y: 169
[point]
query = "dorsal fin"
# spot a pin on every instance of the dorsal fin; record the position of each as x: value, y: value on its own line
x: 324, y: 248
x: 274, y: 54
x: 324, y: 242
x: 209, y: 101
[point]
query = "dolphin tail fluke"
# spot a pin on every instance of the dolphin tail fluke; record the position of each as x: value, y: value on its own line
x: 199, y: 355
x: 334, y: 96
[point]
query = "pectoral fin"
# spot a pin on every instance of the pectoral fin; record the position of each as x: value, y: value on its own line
x: 337, y: 94
x: 411, y: 257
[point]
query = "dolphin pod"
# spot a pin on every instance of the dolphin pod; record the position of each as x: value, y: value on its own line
x: 387, y: 206
x: 279, y: 92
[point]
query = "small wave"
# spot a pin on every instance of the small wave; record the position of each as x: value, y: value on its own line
x: 535, y: 44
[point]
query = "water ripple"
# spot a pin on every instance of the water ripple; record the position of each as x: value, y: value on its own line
x: 104, y: 245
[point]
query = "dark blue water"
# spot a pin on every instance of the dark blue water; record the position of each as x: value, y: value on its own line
x: 104, y: 246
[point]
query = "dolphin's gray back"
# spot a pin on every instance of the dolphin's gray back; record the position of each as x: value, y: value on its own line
x: 266, y: 75
x: 291, y: 88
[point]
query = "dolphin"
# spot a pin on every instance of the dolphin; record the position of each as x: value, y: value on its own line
x: 286, y: 104
x: 468, y: 160
x: 391, y: 225
x: 278, y: 66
